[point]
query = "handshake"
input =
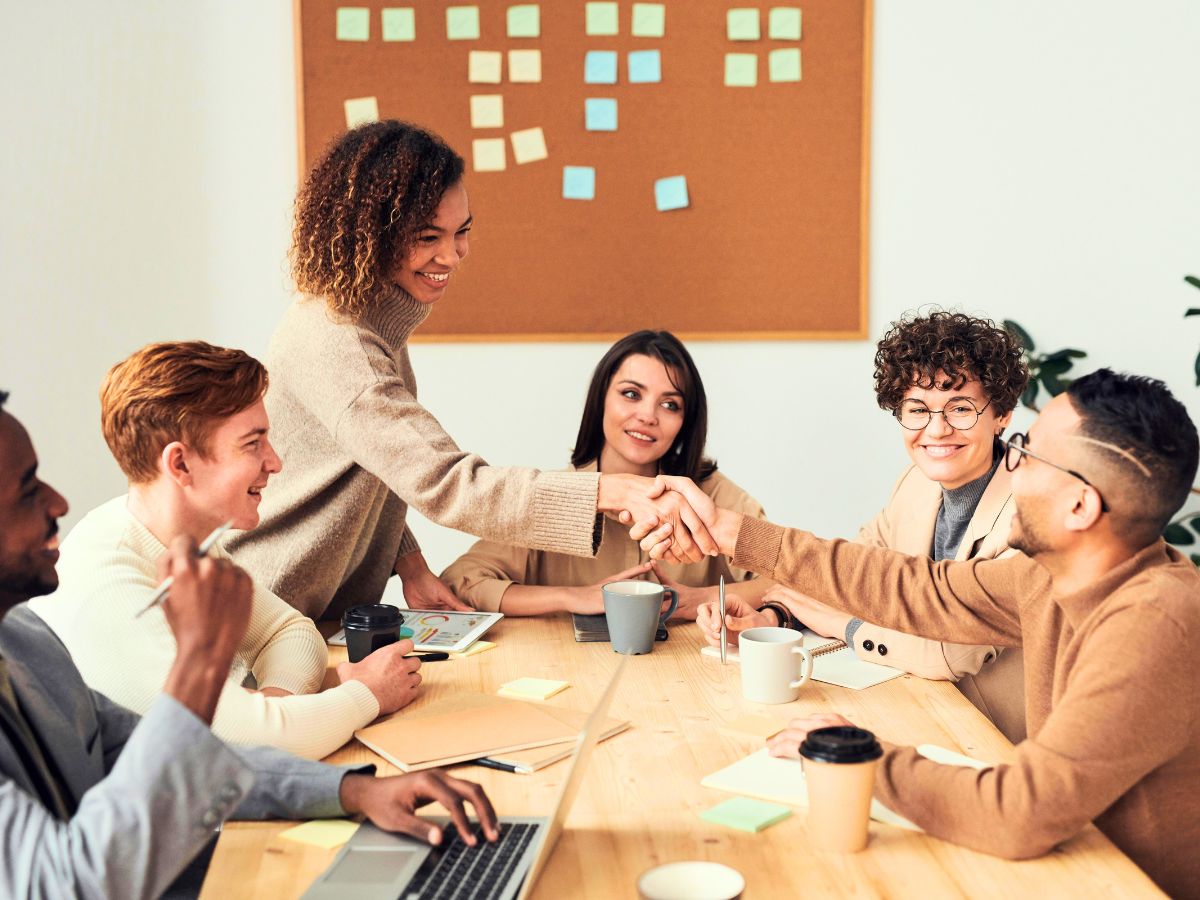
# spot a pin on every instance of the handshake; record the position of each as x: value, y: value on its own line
x: 669, y: 516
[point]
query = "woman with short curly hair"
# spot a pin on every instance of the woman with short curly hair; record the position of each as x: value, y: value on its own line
x: 952, y: 382
x: 382, y: 224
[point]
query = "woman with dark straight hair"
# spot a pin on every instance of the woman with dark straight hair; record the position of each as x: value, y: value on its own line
x: 645, y: 414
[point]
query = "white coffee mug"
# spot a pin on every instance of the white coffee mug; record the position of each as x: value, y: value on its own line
x: 769, y: 664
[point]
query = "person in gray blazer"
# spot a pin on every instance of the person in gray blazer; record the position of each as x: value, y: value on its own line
x: 97, y: 802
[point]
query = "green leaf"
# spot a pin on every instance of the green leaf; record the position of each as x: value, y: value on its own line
x: 1178, y: 535
x: 1021, y: 334
x: 1068, y: 353
x: 1029, y: 395
x: 1197, y: 368
x: 1054, y: 367
x: 1192, y: 280
x: 1053, y: 385
x: 1192, y: 312
x: 1194, y: 524
x: 1196, y: 559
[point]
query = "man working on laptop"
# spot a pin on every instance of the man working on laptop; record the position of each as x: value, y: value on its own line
x: 96, y: 802
x: 1107, y: 613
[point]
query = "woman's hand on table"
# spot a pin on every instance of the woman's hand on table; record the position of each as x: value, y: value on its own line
x: 690, y: 598
x: 739, y: 615
x: 787, y: 742
x: 391, y: 803
x: 588, y: 599
x: 820, y: 617
x: 423, y: 589
x: 388, y: 674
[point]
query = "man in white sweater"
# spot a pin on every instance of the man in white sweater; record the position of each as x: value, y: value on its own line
x: 187, y: 424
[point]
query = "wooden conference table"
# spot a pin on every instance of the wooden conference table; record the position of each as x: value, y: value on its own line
x: 640, y: 804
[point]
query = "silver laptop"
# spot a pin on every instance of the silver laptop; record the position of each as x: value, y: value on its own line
x: 378, y: 865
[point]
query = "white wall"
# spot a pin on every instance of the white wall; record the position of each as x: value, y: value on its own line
x: 1031, y: 161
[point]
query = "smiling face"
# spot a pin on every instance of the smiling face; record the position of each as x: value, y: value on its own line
x: 643, y: 412
x: 29, y: 513
x: 226, y: 483
x: 946, y: 455
x: 424, y: 271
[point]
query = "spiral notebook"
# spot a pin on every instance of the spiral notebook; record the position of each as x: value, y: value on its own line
x: 833, y: 663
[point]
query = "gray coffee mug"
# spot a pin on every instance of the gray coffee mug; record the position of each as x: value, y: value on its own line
x: 633, y: 612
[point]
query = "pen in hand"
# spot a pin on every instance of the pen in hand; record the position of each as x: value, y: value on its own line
x: 165, y: 588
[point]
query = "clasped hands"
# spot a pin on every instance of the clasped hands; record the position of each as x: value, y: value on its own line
x: 670, y: 517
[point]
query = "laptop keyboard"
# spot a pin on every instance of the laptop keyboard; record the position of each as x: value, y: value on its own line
x: 455, y: 871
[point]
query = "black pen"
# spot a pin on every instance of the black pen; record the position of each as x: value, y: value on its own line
x: 436, y: 656
x: 489, y: 763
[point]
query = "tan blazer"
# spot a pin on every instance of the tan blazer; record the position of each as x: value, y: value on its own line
x: 990, y: 677
x: 482, y: 574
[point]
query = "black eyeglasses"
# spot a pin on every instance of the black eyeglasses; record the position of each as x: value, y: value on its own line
x: 960, y: 414
x: 1015, y: 449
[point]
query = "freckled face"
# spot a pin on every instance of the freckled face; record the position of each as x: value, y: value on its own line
x: 424, y: 272
x: 643, y: 412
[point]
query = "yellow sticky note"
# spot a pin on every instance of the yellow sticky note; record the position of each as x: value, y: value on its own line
x: 475, y: 649
x: 462, y: 23
x: 361, y: 110
x: 741, y: 69
x: 742, y: 25
x: 760, y: 727
x: 783, y: 23
x: 524, y: 21
x: 524, y: 66
x: 601, y: 19
x: 488, y: 154
x: 649, y: 20
x: 483, y: 66
x: 487, y: 111
x: 528, y: 145
x: 532, y: 688
x: 323, y: 833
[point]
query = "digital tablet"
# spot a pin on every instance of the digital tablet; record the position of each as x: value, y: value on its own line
x: 441, y: 629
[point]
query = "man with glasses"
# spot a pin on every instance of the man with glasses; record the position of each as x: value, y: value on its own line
x: 951, y: 382
x: 1108, y: 615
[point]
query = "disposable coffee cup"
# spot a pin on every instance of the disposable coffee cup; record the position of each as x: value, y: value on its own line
x: 371, y: 626
x: 839, y: 769
x: 775, y: 664
x: 633, y: 611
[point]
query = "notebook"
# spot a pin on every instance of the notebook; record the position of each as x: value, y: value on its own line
x: 463, y: 727
x: 526, y: 762
x: 591, y: 629
x: 833, y: 663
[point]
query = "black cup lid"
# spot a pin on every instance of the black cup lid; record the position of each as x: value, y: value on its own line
x: 841, y: 744
x: 371, y: 615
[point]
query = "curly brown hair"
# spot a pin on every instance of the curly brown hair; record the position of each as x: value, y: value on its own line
x: 362, y: 206
x: 958, y: 346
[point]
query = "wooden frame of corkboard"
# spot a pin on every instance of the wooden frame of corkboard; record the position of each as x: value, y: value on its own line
x: 774, y: 243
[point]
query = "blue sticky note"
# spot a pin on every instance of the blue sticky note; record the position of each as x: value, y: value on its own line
x: 600, y: 67
x: 671, y: 193
x: 600, y: 113
x: 645, y: 67
x: 353, y: 23
x: 579, y: 183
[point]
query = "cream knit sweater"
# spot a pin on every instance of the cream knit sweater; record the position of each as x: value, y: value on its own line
x: 358, y: 448
x: 108, y: 573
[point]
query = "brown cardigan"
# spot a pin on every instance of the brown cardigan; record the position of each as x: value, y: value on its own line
x: 1112, y: 692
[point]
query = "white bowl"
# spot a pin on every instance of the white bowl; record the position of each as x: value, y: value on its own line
x: 692, y: 880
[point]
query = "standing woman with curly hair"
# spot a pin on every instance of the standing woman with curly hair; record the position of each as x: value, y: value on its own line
x: 382, y: 224
x: 952, y: 382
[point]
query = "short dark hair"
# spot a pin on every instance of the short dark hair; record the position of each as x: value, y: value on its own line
x: 1140, y: 416
x: 917, y: 347
x: 686, y: 454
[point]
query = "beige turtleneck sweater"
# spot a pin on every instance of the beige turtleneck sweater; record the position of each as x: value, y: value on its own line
x: 1112, y: 693
x: 358, y: 448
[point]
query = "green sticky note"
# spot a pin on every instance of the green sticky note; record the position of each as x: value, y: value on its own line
x: 462, y: 23
x: 649, y: 20
x: 601, y: 19
x: 784, y: 65
x: 524, y: 21
x: 741, y: 69
x: 783, y: 23
x: 353, y: 23
x: 746, y: 814
x: 742, y: 25
x: 399, y: 23
x: 323, y: 833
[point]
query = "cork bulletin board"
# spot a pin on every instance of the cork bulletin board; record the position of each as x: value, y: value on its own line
x: 717, y: 189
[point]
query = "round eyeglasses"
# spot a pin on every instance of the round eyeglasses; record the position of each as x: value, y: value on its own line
x: 960, y: 413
